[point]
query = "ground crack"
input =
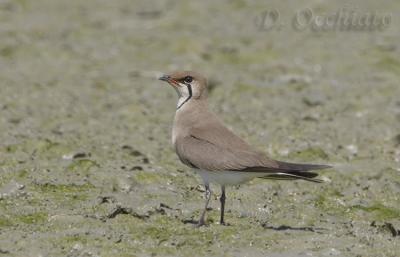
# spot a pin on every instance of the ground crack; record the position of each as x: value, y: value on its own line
x: 119, y: 210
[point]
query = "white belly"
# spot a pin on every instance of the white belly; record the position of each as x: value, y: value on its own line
x: 226, y: 177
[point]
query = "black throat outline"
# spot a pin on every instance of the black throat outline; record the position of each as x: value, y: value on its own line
x: 189, y: 87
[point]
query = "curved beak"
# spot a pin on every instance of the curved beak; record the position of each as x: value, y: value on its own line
x: 170, y: 80
x: 165, y: 78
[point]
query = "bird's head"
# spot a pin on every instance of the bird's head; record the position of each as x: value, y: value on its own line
x: 188, y: 84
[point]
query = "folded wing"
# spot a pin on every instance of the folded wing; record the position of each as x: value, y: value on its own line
x: 202, y: 154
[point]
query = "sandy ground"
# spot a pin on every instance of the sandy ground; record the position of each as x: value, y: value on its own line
x: 86, y: 165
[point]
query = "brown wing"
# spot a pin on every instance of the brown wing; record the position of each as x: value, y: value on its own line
x: 214, y: 147
x: 202, y: 154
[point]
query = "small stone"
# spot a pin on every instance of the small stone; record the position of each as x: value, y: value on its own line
x: 11, y: 189
x: 67, y: 157
x: 136, y: 168
x: 81, y: 155
x: 295, y: 78
x: 352, y: 149
x: 77, y: 247
x: 136, y: 153
x: 314, y: 100
x: 4, y: 251
x: 312, y: 117
x: 127, y: 147
x: 397, y: 140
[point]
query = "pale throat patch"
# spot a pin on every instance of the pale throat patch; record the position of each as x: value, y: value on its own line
x: 181, y: 100
x: 184, y: 93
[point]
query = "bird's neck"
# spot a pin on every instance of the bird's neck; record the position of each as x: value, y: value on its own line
x: 183, y: 100
x: 188, y: 116
x: 191, y: 105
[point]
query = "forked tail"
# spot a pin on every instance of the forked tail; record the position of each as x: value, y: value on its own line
x: 292, y: 171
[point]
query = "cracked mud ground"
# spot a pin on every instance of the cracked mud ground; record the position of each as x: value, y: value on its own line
x: 86, y: 165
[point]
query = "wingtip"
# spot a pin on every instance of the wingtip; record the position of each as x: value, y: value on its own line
x: 317, y: 166
x: 322, y: 167
x: 315, y: 180
x: 303, y: 167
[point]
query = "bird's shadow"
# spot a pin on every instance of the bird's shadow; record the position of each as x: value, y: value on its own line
x: 290, y: 228
x: 276, y: 228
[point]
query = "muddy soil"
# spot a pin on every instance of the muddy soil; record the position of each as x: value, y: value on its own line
x: 86, y: 164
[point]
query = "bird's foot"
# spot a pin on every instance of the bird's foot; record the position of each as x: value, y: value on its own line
x: 223, y: 223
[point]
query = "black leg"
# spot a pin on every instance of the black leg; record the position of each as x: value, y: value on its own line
x: 203, y: 214
x: 222, y: 199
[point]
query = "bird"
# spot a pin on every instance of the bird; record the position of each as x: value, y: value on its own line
x: 205, y: 144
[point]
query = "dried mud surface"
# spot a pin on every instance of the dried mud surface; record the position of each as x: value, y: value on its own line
x: 86, y: 165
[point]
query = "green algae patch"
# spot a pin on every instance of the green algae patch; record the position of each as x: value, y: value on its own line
x: 29, y: 219
x: 22, y: 173
x: 167, y: 234
x: 308, y: 154
x: 45, y: 148
x: 8, y: 51
x: 34, y: 218
x: 10, y: 148
x: 380, y: 211
x: 65, y: 191
x: 65, y: 188
x: 16, y: 176
x: 145, y: 177
x: 67, y: 242
x: 40, y: 147
x: 75, y: 239
x: 4, y: 222
x: 331, y: 203
x: 113, y: 247
x: 389, y: 63
x: 82, y: 165
x: 163, y: 234
x: 103, y: 102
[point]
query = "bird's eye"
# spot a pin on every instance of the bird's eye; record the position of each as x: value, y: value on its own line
x: 188, y: 79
